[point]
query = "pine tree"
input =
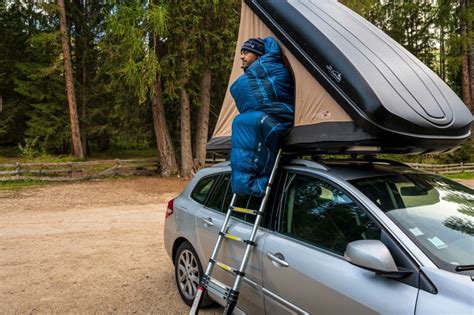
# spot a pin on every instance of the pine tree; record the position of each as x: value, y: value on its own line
x: 69, y: 78
x: 135, y: 34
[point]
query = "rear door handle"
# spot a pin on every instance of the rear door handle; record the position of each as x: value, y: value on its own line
x: 278, y: 258
x: 207, y: 221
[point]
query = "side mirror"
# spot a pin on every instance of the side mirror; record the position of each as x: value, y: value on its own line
x: 373, y: 255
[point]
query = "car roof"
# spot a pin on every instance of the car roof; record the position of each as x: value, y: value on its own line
x: 352, y: 171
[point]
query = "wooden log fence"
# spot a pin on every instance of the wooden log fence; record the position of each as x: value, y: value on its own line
x: 71, y: 171
x: 444, y: 168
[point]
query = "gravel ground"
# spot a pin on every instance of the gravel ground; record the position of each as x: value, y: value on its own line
x: 91, y: 247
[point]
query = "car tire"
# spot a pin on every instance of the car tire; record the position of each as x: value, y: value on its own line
x: 188, y: 272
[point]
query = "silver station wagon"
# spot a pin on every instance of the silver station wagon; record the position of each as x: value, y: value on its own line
x: 338, y: 237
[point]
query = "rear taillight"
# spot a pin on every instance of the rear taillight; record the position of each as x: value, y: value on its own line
x: 169, y: 210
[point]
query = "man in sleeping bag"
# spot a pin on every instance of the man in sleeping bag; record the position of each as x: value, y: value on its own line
x: 264, y: 96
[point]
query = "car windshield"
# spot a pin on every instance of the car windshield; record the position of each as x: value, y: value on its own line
x: 437, y: 213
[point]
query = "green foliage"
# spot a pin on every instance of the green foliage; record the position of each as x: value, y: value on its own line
x: 29, y: 149
x: 363, y: 7
x: 18, y: 184
x: 464, y: 176
x: 40, y: 80
x: 127, y: 45
x: 410, y: 23
x: 12, y: 46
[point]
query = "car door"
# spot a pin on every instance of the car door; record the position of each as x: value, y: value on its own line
x: 209, y: 222
x: 304, y: 270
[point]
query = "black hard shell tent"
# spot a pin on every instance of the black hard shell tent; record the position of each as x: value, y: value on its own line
x: 357, y: 90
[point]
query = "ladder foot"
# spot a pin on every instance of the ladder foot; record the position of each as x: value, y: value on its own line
x: 232, y: 298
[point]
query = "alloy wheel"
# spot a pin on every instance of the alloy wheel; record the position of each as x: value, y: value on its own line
x: 188, y: 274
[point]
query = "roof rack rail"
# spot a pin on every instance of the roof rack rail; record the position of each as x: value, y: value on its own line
x: 369, y: 159
x: 309, y: 163
x: 390, y: 162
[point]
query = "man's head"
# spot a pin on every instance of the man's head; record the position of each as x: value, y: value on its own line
x: 251, y: 50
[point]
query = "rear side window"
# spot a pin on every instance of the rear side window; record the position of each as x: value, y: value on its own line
x: 203, y: 188
x: 222, y: 196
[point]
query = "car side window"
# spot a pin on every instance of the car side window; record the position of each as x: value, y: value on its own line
x: 319, y: 213
x: 202, y: 189
x: 247, y: 202
x: 222, y: 196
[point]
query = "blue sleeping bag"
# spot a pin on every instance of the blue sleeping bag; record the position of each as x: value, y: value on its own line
x: 264, y: 96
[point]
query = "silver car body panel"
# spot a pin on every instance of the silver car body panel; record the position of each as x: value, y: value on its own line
x: 321, y: 282
x: 455, y: 293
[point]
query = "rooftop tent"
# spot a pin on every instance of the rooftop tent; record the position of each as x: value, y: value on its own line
x: 357, y: 90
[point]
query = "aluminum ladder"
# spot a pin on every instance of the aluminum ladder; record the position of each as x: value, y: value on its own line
x: 231, y: 294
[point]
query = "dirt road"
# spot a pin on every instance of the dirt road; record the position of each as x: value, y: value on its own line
x: 93, y: 247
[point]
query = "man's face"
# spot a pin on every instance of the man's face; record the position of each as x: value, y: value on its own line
x: 247, y: 58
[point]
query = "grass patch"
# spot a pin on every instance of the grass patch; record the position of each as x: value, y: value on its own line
x: 15, y: 184
x: 466, y: 175
x: 11, y: 154
x: 124, y: 154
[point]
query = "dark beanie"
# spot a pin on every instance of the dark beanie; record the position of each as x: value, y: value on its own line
x: 255, y: 45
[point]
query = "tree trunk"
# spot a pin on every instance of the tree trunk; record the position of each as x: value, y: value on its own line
x: 186, y: 148
x: 466, y: 85
x: 82, y: 38
x: 471, y: 60
x: 85, y: 47
x: 442, y: 54
x: 168, y: 163
x: 75, y: 130
x: 202, y: 128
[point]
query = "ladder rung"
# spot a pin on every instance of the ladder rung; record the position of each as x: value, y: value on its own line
x: 232, y: 237
x: 244, y: 210
x: 217, y: 287
x: 236, y: 238
x: 229, y: 268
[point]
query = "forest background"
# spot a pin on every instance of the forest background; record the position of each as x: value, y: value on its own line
x: 88, y: 78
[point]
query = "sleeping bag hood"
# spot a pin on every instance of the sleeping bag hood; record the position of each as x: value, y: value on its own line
x: 356, y: 89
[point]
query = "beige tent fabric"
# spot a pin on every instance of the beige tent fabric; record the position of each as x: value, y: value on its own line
x: 313, y: 104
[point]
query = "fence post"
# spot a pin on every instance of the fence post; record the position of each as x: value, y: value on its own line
x: 462, y: 167
x: 69, y: 169
x: 18, y: 170
x: 117, y: 167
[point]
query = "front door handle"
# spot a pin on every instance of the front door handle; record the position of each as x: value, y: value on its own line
x: 207, y: 221
x: 277, y: 258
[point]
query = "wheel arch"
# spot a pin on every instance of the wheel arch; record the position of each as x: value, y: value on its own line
x: 177, y: 243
